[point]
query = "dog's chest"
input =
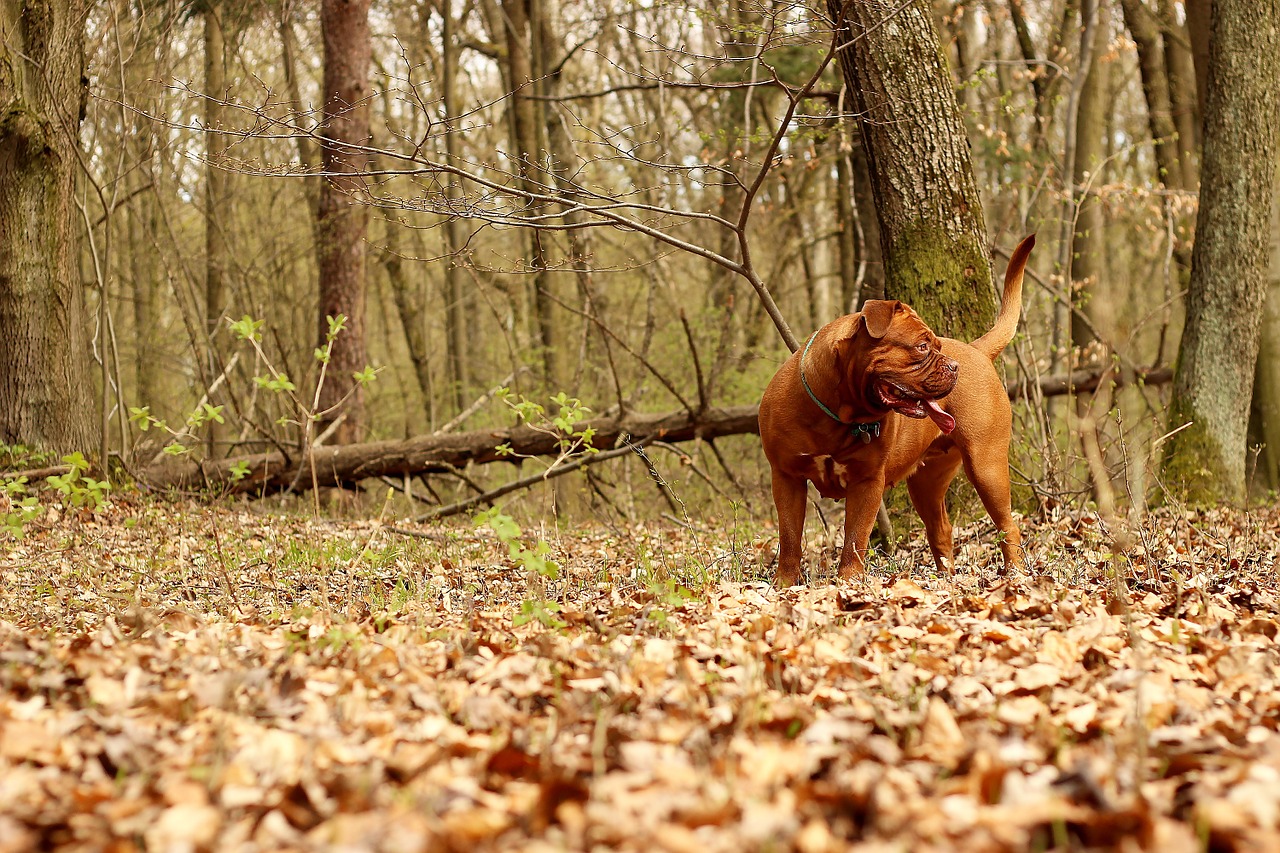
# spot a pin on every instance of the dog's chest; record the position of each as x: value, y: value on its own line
x: 829, y: 476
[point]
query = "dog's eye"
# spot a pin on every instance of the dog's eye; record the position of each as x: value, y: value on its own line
x: 923, y: 346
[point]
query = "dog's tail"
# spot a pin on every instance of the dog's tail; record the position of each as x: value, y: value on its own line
x: 993, y: 342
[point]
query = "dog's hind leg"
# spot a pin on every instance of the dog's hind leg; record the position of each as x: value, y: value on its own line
x: 992, y: 484
x: 928, y: 489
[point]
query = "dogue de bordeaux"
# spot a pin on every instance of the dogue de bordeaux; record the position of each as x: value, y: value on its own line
x: 876, y: 397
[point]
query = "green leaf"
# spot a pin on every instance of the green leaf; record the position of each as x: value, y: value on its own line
x: 246, y: 328
x: 77, y: 461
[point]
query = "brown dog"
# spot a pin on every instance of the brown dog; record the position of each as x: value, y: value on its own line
x: 876, y: 397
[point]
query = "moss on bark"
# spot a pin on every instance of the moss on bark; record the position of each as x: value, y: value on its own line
x: 1196, y: 468
x: 945, y: 279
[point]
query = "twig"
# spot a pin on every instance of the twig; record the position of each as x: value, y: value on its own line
x: 524, y: 483
x: 479, y: 402
x: 703, y: 402
x: 213, y: 386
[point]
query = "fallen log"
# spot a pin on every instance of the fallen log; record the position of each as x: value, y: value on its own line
x: 1087, y: 379
x: 437, y: 453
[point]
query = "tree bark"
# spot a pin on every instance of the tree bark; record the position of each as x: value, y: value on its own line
x: 1089, y: 254
x: 525, y: 53
x: 216, y: 197
x: 444, y: 453
x: 1198, y: 12
x: 215, y: 178
x: 1266, y: 383
x: 1219, y: 345
x: 44, y: 383
x: 1179, y: 63
x: 342, y: 217
x: 1145, y: 29
x: 933, y: 237
x: 409, y: 305
x: 455, y: 291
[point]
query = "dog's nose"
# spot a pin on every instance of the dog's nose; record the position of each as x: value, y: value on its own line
x: 952, y: 365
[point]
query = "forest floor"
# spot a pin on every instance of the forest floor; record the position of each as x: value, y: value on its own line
x: 181, y: 677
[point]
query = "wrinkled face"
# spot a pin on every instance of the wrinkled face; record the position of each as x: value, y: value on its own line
x: 904, y: 369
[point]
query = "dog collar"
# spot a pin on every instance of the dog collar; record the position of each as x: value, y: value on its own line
x: 866, y: 432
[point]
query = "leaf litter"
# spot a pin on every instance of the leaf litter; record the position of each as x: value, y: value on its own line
x: 186, y: 678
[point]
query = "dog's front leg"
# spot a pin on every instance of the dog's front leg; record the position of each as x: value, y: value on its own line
x: 862, y: 502
x: 789, y: 496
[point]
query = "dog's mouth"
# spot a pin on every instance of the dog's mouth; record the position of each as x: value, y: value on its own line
x: 910, y: 403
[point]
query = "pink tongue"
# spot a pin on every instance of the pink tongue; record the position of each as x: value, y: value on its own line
x: 945, y: 422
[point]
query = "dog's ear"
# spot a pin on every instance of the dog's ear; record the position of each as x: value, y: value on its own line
x: 877, y: 314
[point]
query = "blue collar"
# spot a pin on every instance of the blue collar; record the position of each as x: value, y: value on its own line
x: 864, y: 431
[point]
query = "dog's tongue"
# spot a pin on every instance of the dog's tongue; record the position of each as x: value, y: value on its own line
x: 945, y: 422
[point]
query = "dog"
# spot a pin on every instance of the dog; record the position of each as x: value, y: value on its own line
x: 876, y: 397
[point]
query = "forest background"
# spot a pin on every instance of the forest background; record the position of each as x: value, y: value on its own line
x: 610, y: 203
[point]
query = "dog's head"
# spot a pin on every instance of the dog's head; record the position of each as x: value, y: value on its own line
x: 901, y: 362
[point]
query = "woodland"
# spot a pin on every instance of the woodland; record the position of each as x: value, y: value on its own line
x: 380, y: 466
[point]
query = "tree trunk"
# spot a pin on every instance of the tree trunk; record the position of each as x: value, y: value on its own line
x: 849, y: 234
x: 308, y: 151
x: 44, y: 382
x: 525, y: 48
x: 215, y: 186
x: 455, y: 290
x: 409, y: 305
x: 932, y: 233
x: 1088, y: 244
x: 1145, y: 29
x: 1198, y: 13
x: 216, y: 197
x: 146, y: 285
x: 1182, y: 92
x: 1266, y: 384
x: 342, y: 217
x: 1219, y: 345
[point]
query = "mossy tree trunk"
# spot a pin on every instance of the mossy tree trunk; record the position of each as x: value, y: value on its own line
x: 932, y: 235
x: 342, y: 217
x: 1214, y: 382
x: 44, y: 386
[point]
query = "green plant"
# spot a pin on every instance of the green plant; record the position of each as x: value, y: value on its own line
x: 562, y: 426
x: 22, y: 507
x: 534, y: 560
x: 16, y: 456
x: 76, y: 486
x: 141, y: 417
x: 508, y: 532
x: 540, y: 610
